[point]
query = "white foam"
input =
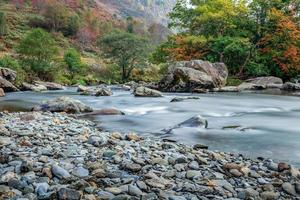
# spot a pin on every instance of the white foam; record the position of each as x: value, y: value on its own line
x: 145, y: 110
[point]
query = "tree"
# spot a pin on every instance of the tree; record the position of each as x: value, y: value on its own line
x: 282, y: 42
x: 38, y: 49
x: 3, y: 26
x: 126, y: 50
x: 73, y: 61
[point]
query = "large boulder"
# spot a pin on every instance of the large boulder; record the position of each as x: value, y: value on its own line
x: 31, y: 87
x: 189, y: 76
x: 8, y: 74
x: 142, y: 91
x: 50, y: 85
x: 261, y: 83
x: 7, y: 86
x: 2, y: 93
x: 63, y: 104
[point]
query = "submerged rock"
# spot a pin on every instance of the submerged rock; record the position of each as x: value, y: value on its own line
x: 179, y: 99
x: 189, y: 76
x: 63, y: 104
x: 142, y: 91
x: 106, y: 111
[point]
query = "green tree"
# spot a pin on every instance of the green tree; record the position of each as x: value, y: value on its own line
x: 3, y: 25
x: 38, y: 49
x: 73, y: 61
x: 126, y: 50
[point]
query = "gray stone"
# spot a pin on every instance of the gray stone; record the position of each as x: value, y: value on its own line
x: 80, y: 172
x: 134, y: 190
x: 68, y: 194
x: 60, y: 172
x: 289, y: 188
x: 146, y: 92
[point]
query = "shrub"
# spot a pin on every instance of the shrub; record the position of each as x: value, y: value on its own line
x: 73, y: 61
x: 3, y: 25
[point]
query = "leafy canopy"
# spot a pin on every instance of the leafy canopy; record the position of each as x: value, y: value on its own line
x: 126, y: 50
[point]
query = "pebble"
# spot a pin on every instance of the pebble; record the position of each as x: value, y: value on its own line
x: 69, y: 158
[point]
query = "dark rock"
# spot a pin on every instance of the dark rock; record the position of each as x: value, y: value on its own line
x: 103, y: 91
x: 179, y: 99
x: 291, y: 86
x: 283, y: 166
x: 106, y: 111
x: 68, y: 194
x: 196, y: 121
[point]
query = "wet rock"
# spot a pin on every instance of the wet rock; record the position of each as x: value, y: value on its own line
x: 196, y: 122
x: 68, y: 194
x: 191, y: 174
x: 142, y: 91
x: 41, y: 189
x: 63, y: 104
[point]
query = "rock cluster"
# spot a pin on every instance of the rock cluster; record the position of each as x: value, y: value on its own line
x: 100, y: 90
x: 193, y: 76
x: 53, y: 156
x: 63, y: 104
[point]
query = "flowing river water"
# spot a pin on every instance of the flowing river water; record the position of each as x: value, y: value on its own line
x: 252, y: 124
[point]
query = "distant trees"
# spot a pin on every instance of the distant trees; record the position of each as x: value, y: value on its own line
x: 253, y: 38
x: 126, y: 50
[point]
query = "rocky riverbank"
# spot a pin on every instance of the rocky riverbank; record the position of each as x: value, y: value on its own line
x: 56, y: 156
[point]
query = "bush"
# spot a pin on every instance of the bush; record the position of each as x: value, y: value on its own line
x: 73, y: 61
x: 231, y: 81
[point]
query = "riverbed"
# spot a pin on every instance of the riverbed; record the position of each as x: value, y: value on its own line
x: 252, y: 124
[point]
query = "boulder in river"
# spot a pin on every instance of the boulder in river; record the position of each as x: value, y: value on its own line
x: 7, y: 86
x: 103, y: 91
x: 63, y: 104
x: 142, y: 91
x: 261, y: 83
x: 8, y: 74
x: 187, y: 76
x: 195, y: 122
x: 291, y: 86
x: 2, y: 93
x: 31, y: 87
x: 50, y: 85
x: 81, y: 88
x: 179, y: 99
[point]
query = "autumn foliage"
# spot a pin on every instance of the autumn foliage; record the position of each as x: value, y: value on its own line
x: 282, y: 42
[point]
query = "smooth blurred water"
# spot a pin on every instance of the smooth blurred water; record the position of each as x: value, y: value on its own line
x: 271, y: 122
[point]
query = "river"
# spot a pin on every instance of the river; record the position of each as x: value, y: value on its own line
x: 268, y: 125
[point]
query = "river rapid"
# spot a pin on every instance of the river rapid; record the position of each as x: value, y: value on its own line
x: 252, y: 124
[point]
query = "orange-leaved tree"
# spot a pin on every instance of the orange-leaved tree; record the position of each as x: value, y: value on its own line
x: 282, y: 42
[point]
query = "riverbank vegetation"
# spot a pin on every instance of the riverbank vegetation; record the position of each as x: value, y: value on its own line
x: 77, y: 43
x: 259, y: 38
